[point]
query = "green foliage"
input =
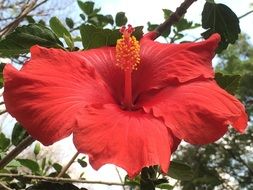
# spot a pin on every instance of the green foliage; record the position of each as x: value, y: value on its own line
x: 120, y: 19
x: 221, y: 19
x: 230, y: 83
x: 21, y: 40
x: 132, y: 182
x: 57, y: 167
x: 70, y: 23
x: 82, y: 162
x: 87, y: 7
x: 36, y: 149
x: 165, y: 186
x: 179, y: 170
x: 18, y: 134
x: 93, y: 37
x: 30, y: 164
x: 61, y: 31
x: 4, y: 142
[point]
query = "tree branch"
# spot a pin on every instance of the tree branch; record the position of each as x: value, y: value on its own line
x: 2, y: 112
x: 10, y: 27
x: 26, y: 10
x: 63, y: 171
x: 174, y: 17
x: 246, y: 14
x: 56, y: 179
x: 4, y: 187
x: 16, y: 151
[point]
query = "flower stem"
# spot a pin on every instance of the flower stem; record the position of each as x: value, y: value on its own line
x: 63, y: 171
x: 16, y: 151
x: 128, y: 89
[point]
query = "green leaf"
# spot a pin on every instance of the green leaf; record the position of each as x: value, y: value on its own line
x: 20, y: 41
x: 2, y: 65
x: 184, y: 24
x: 83, y: 17
x: 4, y: 142
x: 93, y: 37
x: 87, y: 7
x: 69, y: 41
x: 30, y: 164
x: 166, y: 13
x: 57, y: 167
x: 180, y: 171
x: 82, y: 163
x: 18, y: 134
x: 120, y: 19
x: 230, y: 83
x: 36, y: 149
x: 165, y: 186
x: 219, y: 18
x: 69, y: 22
x: 30, y: 19
x: 132, y: 182
x: 59, y: 29
x: 14, y: 164
x: 43, y: 163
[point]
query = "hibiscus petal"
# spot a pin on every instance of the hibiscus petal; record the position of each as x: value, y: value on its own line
x: 131, y: 140
x: 163, y: 64
x: 46, y: 95
x: 198, y: 112
x: 103, y: 60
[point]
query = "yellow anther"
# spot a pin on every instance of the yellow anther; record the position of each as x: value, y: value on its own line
x: 127, y: 50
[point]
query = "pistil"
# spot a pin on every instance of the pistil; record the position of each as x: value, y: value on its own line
x: 128, y: 59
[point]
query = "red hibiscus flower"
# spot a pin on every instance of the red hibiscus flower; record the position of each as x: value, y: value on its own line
x: 129, y: 105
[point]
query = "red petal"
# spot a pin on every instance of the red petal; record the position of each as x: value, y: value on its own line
x: 131, y: 140
x: 103, y: 60
x: 198, y: 112
x: 48, y: 92
x: 163, y: 64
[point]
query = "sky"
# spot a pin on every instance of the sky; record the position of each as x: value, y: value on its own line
x: 139, y: 12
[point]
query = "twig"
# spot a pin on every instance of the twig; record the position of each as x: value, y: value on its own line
x: 27, y: 9
x: 2, y: 112
x: 4, y: 186
x: 121, y: 180
x: 16, y: 151
x: 10, y: 27
x: 246, y: 14
x: 63, y: 171
x: 56, y: 179
x: 174, y: 17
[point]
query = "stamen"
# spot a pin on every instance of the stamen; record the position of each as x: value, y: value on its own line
x: 127, y: 50
x: 128, y: 59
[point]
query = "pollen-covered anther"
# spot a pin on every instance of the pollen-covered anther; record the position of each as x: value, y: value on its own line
x: 127, y: 50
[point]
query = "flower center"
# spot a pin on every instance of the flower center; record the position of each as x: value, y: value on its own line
x: 128, y: 59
